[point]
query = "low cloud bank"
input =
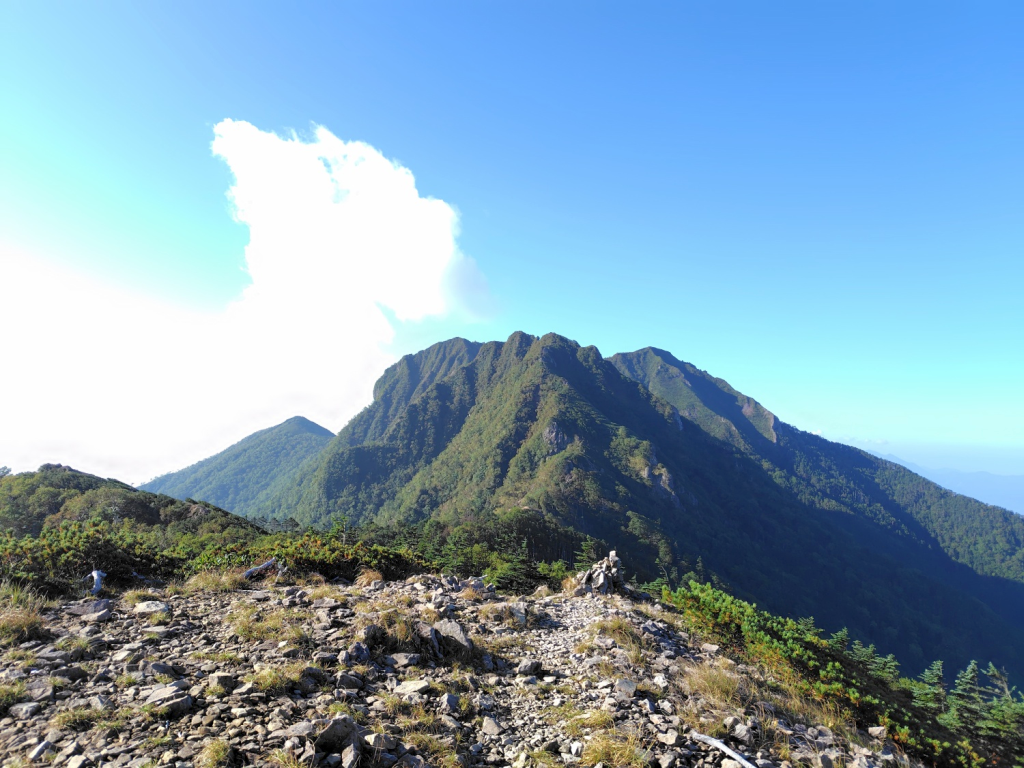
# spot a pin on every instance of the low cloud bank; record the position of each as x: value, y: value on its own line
x: 116, y: 383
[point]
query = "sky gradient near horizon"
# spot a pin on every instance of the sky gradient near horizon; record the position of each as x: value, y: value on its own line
x: 214, y: 217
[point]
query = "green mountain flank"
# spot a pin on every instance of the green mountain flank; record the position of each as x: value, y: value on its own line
x: 239, y: 477
x: 57, y: 524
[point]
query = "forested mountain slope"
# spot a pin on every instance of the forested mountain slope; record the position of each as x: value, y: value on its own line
x: 835, y: 477
x: 238, y: 477
x: 54, y: 494
x: 691, y: 469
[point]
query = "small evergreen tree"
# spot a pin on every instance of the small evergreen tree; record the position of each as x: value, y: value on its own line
x: 839, y: 640
x: 930, y: 693
x: 966, y: 706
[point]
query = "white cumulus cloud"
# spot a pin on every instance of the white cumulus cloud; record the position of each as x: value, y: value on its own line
x: 116, y: 383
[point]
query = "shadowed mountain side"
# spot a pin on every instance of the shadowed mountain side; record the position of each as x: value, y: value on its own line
x: 238, y: 477
x: 800, y: 525
x: 833, y: 476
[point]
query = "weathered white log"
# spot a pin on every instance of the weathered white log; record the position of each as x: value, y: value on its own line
x: 97, y: 581
x: 260, y: 568
x: 719, y: 745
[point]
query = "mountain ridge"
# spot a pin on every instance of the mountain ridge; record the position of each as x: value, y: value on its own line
x: 672, y: 465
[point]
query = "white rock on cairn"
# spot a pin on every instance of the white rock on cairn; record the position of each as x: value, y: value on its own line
x: 602, y: 578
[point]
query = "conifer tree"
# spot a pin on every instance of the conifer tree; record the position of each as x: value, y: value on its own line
x: 839, y: 640
x: 966, y: 706
x: 930, y: 693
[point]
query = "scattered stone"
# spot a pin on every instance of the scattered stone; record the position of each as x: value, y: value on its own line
x: 24, y: 710
x: 148, y: 607
x: 341, y: 732
x: 402, y: 660
x: 491, y: 727
x: 87, y: 607
x: 39, y: 750
x: 222, y: 680
x: 624, y: 686
x: 412, y: 686
x: 670, y: 738
x: 528, y: 667
x: 454, y: 634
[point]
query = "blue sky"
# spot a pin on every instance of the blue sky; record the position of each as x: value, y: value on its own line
x: 820, y: 202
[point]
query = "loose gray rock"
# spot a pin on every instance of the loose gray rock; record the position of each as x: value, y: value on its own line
x: 148, y: 607
x: 341, y: 732
x: 412, y: 686
x: 24, y: 710
x: 454, y: 634
x: 528, y: 667
x: 87, y: 607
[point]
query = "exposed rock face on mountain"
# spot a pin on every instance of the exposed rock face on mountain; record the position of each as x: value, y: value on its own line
x: 430, y: 671
x: 238, y: 477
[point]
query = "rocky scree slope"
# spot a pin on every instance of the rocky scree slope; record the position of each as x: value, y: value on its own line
x: 428, y: 671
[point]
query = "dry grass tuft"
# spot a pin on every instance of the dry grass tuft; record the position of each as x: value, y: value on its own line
x: 628, y: 637
x: 341, y: 708
x: 14, y: 595
x: 79, y: 719
x: 214, y: 581
x: 612, y: 748
x: 215, y: 754
x: 326, y: 590
x: 367, y: 576
x: 283, y: 759
x: 250, y: 623
x: 279, y: 680
x: 717, y: 686
x: 222, y: 657
x: 594, y: 720
x: 18, y: 625
x: 22, y: 659
x: 20, y: 609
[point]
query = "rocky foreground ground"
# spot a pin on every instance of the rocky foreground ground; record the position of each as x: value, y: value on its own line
x: 428, y: 671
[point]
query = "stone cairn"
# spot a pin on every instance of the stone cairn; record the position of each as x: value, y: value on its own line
x: 602, y: 578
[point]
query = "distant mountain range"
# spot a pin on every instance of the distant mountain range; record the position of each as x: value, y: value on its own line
x: 1005, y: 491
x: 668, y: 464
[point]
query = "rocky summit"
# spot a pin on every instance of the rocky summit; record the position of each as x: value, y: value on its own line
x: 427, y: 671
